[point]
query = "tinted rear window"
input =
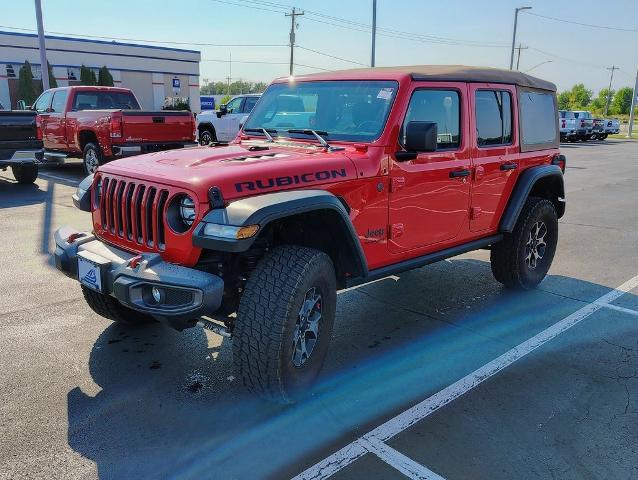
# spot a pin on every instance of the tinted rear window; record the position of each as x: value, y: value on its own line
x: 105, y: 101
x: 538, y: 118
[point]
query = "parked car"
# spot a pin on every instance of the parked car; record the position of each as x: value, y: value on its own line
x: 567, y: 126
x: 598, y: 130
x: 338, y: 195
x: 20, y: 144
x: 584, y: 125
x: 223, y: 125
x: 103, y: 123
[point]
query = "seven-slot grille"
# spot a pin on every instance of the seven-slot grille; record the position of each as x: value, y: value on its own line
x: 133, y: 211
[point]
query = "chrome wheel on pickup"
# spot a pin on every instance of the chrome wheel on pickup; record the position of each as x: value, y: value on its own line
x: 284, y: 323
x: 92, y: 158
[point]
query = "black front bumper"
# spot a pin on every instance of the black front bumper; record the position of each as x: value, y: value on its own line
x: 187, y: 294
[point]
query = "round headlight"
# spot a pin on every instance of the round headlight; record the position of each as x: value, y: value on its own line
x: 187, y: 210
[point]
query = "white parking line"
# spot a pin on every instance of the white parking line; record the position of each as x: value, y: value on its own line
x: 621, y: 309
x: 384, y: 432
x: 396, y: 459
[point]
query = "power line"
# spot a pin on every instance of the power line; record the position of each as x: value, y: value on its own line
x: 602, y: 27
x: 332, y: 56
x: 104, y: 37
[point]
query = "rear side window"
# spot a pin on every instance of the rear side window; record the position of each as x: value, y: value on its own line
x: 493, y: 117
x: 538, y: 118
x: 59, y: 101
x: 440, y: 106
x: 249, y: 104
x: 108, y: 100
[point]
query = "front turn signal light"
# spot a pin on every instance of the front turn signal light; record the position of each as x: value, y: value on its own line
x: 230, y: 232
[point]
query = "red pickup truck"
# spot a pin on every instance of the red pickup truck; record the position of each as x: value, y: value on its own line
x: 102, y: 123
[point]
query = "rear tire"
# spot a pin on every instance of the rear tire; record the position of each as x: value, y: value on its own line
x: 108, y: 307
x: 523, y: 257
x: 25, y: 174
x: 207, y: 136
x: 93, y: 158
x: 284, y: 323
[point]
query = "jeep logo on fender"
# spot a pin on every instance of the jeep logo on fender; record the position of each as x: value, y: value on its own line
x: 290, y: 180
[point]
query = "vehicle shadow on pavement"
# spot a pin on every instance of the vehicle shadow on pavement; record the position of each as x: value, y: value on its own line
x: 169, y: 405
x: 13, y: 194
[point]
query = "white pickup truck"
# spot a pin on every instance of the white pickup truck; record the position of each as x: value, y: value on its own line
x: 584, y: 125
x: 223, y: 125
x: 567, y: 125
x: 612, y: 126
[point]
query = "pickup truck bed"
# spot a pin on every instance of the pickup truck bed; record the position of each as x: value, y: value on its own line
x: 20, y: 147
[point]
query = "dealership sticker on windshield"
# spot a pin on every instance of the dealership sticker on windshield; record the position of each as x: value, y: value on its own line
x: 385, y: 93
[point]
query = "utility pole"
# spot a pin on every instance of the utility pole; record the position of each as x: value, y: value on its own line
x: 293, y: 26
x: 518, y: 59
x: 230, y: 71
x: 611, y: 79
x: 633, y: 107
x: 374, y: 30
x: 518, y: 9
x: 44, y: 66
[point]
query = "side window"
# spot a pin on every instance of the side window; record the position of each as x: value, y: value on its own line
x: 234, y: 105
x: 538, y: 114
x: 440, y: 106
x: 59, y: 101
x: 249, y: 104
x: 42, y: 104
x: 493, y: 117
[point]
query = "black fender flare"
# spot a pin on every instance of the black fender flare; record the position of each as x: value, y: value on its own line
x: 264, y: 209
x: 206, y: 125
x: 524, y: 186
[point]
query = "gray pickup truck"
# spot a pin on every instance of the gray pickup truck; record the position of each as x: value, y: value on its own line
x: 20, y: 144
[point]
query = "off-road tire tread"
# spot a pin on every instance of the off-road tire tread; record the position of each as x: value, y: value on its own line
x: 504, y: 255
x: 25, y: 174
x: 109, y: 307
x: 259, y: 330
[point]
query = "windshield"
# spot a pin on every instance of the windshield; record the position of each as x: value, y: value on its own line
x: 105, y: 100
x: 340, y: 110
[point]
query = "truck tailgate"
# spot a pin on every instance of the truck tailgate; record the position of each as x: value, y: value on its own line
x: 156, y: 127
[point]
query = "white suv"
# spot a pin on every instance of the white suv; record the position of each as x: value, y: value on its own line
x: 223, y: 125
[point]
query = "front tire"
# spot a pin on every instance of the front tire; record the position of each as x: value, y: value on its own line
x: 284, y: 323
x: 25, y: 174
x: 523, y: 257
x: 108, y: 307
x: 92, y: 156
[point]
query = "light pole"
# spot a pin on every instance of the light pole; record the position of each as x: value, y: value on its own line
x: 374, y: 31
x: 44, y: 66
x: 633, y: 107
x: 518, y: 9
x: 538, y: 65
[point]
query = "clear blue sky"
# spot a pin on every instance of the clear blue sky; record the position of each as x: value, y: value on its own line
x: 578, y: 53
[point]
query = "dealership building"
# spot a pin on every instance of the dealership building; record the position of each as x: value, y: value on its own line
x: 157, y: 75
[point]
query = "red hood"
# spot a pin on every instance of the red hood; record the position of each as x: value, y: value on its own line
x: 237, y: 170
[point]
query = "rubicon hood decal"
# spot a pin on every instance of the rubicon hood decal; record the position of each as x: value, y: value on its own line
x: 284, y: 181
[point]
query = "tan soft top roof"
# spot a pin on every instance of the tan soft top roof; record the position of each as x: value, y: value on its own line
x: 447, y: 73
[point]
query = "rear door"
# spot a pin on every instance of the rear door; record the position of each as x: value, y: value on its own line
x: 55, y: 134
x: 494, y: 152
x: 429, y: 196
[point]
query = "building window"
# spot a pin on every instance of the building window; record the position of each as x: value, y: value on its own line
x: 73, y: 73
x: 36, y: 71
x: 11, y: 73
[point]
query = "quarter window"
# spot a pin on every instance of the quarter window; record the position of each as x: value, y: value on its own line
x: 493, y: 117
x: 538, y: 118
x: 441, y: 107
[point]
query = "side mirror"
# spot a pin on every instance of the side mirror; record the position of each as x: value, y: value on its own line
x: 223, y: 110
x: 418, y: 137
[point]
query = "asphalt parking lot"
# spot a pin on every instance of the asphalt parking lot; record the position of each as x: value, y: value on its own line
x: 436, y: 373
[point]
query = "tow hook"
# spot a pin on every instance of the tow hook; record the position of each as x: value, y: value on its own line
x: 214, y: 327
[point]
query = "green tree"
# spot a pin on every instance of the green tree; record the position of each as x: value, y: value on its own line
x: 87, y: 76
x: 598, y: 103
x: 104, y: 77
x: 26, y: 89
x: 53, y: 83
x: 621, y: 104
x: 579, y: 97
x: 225, y: 99
x: 563, y: 100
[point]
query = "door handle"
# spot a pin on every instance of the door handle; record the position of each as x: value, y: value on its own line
x: 509, y: 166
x: 459, y: 173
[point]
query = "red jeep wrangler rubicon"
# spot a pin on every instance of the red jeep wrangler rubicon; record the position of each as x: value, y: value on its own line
x: 336, y: 179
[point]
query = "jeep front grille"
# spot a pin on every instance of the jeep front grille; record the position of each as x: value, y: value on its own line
x: 133, y: 211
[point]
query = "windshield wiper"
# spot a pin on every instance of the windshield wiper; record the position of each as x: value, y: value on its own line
x: 317, y: 133
x: 265, y: 131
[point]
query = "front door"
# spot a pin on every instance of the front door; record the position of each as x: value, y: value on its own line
x: 430, y: 195
x: 42, y: 107
x: 55, y: 132
x: 494, y: 152
x: 230, y: 122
